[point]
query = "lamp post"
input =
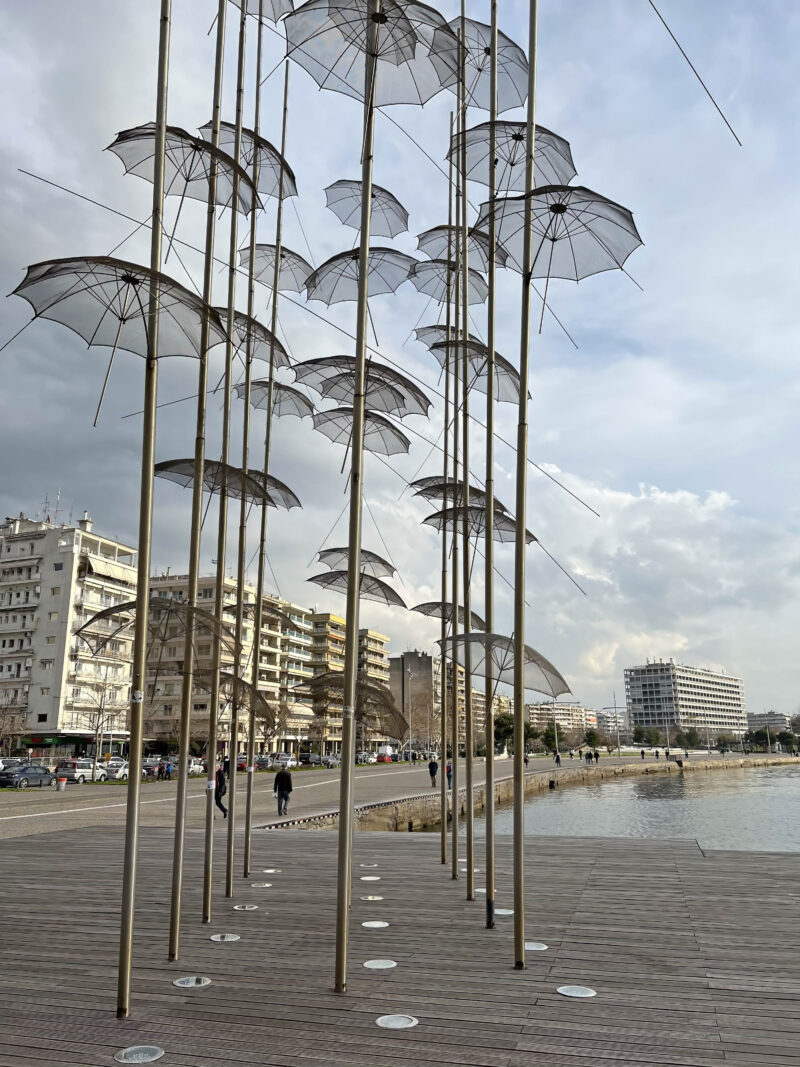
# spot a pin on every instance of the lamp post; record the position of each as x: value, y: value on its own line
x: 410, y: 677
x: 613, y: 707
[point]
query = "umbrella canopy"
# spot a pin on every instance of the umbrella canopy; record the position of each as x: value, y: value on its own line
x: 244, y: 693
x: 552, y: 158
x: 285, y: 399
x: 436, y: 242
x: 378, y: 395
x: 187, y: 163
x: 375, y: 708
x: 316, y: 372
x: 492, y: 655
x: 434, y: 488
x: 431, y: 276
x: 431, y: 335
x: 506, y: 378
x: 512, y: 67
x: 388, y: 216
x: 337, y: 279
x: 416, y: 52
x: 269, y: 613
x: 293, y: 273
x: 370, y: 587
x: 380, y: 436
x: 215, y: 475
x: 278, y: 494
x: 270, y: 10
x: 450, y: 517
x: 262, y: 338
x: 270, y: 161
x: 576, y: 233
x: 105, y: 301
x: 371, y: 562
x: 433, y: 608
x: 166, y: 618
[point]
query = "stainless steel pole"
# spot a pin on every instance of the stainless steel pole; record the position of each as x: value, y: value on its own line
x: 455, y: 577
x: 356, y: 491
x: 197, y: 505
x: 521, y: 501
x: 488, y: 545
x: 145, y: 533
x: 262, y: 543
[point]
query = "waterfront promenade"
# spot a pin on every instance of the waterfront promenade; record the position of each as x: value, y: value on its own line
x: 694, y: 957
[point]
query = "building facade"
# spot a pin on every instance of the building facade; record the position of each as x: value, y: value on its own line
x: 672, y: 696
x: 68, y: 693
x: 571, y: 718
x: 774, y: 721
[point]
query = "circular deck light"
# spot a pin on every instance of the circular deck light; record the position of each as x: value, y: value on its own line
x: 380, y: 965
x: 396, y: 1022
x: 245, y: 907
x: 576, y: 991
x: 224, y: 937
x: 191, y: 981
x: 535, y: 946
x: 372, y: 896
x: 139, y: 1054
x: 375, y: 924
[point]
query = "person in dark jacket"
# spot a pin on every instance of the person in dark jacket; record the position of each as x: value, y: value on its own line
x: 433, y: 770
x: 283, y: 787
x: 220, y: 789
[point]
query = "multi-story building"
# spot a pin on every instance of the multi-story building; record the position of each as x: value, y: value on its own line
x: 774, y: 721
x: 571, y: 717
x: 610, y: 721
x: 70, y: 692
x: 671, y: 696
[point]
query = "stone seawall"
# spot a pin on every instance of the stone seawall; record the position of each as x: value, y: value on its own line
x: 422, y: 812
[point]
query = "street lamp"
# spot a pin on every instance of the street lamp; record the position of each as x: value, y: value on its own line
x: 410, y: 676
x: 616, y: 722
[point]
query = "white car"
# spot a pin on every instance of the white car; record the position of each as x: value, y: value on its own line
x: 284, y: 761
x: 117, y: 772
x: 195, y: 766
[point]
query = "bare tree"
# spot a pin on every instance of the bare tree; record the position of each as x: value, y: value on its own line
x: 105, y: 703
x: 12, y: 719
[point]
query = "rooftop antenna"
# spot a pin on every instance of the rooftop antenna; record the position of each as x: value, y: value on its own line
x: 58, y: 507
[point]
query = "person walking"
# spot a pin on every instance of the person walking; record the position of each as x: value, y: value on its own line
x: 168, y: 770
x: 161, y: 770
x: 449, y: 773
x: 656, y: 753
x: 571, y: 754
x: 220, y: 789
x: 433, y: 768
x: 283, y: 788
x: 526, y: 761
x: 596, y: 756
x: 642, y: 753
x: 558, y: 759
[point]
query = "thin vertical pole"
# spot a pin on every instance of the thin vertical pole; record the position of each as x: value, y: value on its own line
x: 445, y: 500
x: 521, y: 491
x: 197, y: 507
x: 488, y: 546
x: 465, y: 530
x: 452, y: 348
x: 345, y: 842
x: 233, y: 748
x: 145, y: 533
x: 262, y: 542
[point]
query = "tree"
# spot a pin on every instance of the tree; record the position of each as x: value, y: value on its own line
x: 639, y: 735
x: 503, y: 731
x: 592, y: 738
x: 652, y: 736
x: 693, y: 738
x: 680, y: 739
x: 12, y: 721
x: 550, y: 734
x: 787, y: 740
x: 795, y: 723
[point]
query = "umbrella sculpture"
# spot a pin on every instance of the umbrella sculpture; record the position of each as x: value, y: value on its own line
x: 506, y: 379
x: 475, y: 518
x: 317, y: 373
x: 275, y: 176
x: 437, y: 242
x: 512, y: 67
x: 262, y: 341
x: 375, y: 710
x: 336, y: 280
x: 286, y: 400
x: 293, y: 268
x: 430, y: 276
x: 553, y: 159
x: 492, y: 656
x: 433, y: 608
x: 389, y: 217
x: 371, y: 588
x: 433, y: 487
x: 380, y: 436
x: 371, y: 563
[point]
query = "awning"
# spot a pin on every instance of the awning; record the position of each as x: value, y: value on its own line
x: 106, y: 568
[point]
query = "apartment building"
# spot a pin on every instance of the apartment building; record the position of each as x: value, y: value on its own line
x: 66, y: 691
x: 774, y: 721
x: 571, y: 717
x: 672, y: 696
x: 609, y: 721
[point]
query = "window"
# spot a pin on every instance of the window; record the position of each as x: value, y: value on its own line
x: 46, y: 664
x: 45, y: 691
x: 50, y: 640
x: 52, y: 616
x: 58, y: 566
x: 55, y: 590
x: 41, y: 718
x: 206, y: 594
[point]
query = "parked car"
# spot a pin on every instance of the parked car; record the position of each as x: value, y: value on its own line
x: 21, y: 775
x: 263, y: 762
x: 383, y: 757
x: 310, y: 759
x: 117, y: 772
x: 195, y: 766
x: 80, y: 771
x: 283, y: 759
x: 10, y: 761
x: 150, y: 766
x: 331, y: 761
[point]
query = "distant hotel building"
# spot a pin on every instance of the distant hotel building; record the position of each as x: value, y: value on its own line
x: 572, y: 718
x: 672, y: 696
x: 775, y: 721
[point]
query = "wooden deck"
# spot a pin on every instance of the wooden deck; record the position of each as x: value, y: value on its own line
x: 695, y: 958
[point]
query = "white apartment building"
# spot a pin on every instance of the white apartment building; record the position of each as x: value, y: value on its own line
x: 572, y: 718
x: 53, y: 578
x: 609, y: 721
x: 672, y: 696
x: 774, y: 721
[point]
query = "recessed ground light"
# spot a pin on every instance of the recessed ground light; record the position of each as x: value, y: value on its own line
x: 139, y: 1054
x: 397, y: 1022
x: 535, y: 946
x: 271, y: 870
x: 483, y: 891
x: 380, y: 965
x: 372, y: 896
x: 375, y: 924
x: 576, y: 991
x: 245, y: 907
x: 504, y: 911
x: 260, y: 885
x: 370, y: 878
x: 368, y: 864
x: 191, y: 981
x: 224, y: 937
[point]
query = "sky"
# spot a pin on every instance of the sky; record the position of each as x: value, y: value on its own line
x: 673, y: 416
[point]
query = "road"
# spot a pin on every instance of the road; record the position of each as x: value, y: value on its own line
x: 42, y: 811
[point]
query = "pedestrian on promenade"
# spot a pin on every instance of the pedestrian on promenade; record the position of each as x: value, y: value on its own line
x: 449, y: 773
x: 433, y: 768
x: 161, y: 771
x: 571, y: 754
x: 526, y: 761
x: 686, y: 753
x: 596, y: 756
x: 642, y: 753
x: 580, y: 753
x: 220, y: 789
x: 656, y: 753
x: 168, y: 771
x: 226, y: 767
x: 558, y: 759
x: 588, y: 759
x: 283, y: 787
x: 666, y: 753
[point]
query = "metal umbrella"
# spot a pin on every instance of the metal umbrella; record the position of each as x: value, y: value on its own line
x: 434, y: 487
x: 389, y: 217
x: 216, y: 476
x: 378, y: 395
x: 165, y: 618
x: 293, y: 268
x: 275, y: 176
x: 370, y: 562
x: 433, y: 608
x: 286, y: 400
x: 493, y: 655
x: 188, y: 163
x: 506, y: 379
x: 431, y: 335
x: 315, y: 373
x: 430, y: 276
x: 261, y: 340
x: 371, y: 588
x: 512, y: 67
x: 380, y: 436
x: 269, y: 10
x: 274, y: 489
x: 337, y: 279
x: 437, y: 241
x: 375, y: 707
x: 553, y: 160
x: 475, y: 518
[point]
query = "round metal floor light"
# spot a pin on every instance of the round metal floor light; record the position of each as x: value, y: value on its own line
x: 375, y: 924
x: 271, y: 870
x: 139, y: 1054
x: 245, y: 907
x: 380, y: 965
x: 504, y: 911
x: 261, y: 885
x: 481, y: 891
x: 224, y: 937
x: 370, y: 878
x: 576, y: 991
x: 535, y: 946
x: 368, y: 864
x: 191, y: 981
x: 396, y: 1022
x: 372, y: 896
